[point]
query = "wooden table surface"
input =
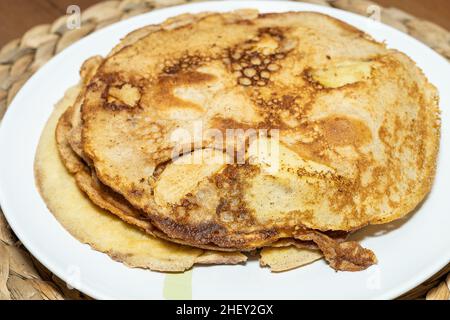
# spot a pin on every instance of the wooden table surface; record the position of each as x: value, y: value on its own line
x: 17, y: 16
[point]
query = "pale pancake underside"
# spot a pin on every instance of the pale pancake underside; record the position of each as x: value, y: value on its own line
x: 67, y: 136
x: 98, y: 228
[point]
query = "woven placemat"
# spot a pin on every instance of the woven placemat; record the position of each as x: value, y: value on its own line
x: 22, y: 276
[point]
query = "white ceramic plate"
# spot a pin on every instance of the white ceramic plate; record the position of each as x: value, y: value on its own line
x: 409, y: 251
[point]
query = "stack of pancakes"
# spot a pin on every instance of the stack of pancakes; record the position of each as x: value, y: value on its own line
x: 353, y: 126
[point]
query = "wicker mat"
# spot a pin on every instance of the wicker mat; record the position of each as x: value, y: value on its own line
x: 22, y: 276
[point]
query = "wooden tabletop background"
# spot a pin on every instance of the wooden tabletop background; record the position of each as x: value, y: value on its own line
x: 17, y: 16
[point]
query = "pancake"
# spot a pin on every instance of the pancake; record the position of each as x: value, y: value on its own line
x: 301, y: 252
x: 99, y: 228
x: 355, y: 127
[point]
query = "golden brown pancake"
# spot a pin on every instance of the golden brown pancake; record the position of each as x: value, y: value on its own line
x: 358, y: 129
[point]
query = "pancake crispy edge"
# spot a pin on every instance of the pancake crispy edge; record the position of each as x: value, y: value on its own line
x: 68, y: 134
